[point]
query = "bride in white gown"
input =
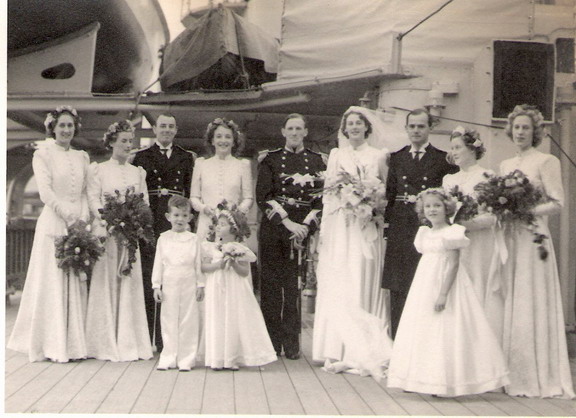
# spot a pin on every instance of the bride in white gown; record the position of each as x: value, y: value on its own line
x: 351, y: 320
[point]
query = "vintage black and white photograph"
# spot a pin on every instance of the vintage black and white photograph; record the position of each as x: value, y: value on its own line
x: 290, y: 207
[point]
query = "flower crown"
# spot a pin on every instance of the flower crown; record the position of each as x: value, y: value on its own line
x: 53, y: 115
x: 117, y: 127
x: 230, y: 124
x: 470, y: 133
x: 237, y: 219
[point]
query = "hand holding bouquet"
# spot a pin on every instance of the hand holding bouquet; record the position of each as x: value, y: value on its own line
x: 78, y: 250
x: 512, y: 198
x: 128, y: 218
x: 358, y: 196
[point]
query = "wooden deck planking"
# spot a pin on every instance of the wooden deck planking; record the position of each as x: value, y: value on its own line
x: 342, y: 394
x: 282, y: 388
x: 508, y: 404
x: 156, y: 392
x: 249, y: 392
x: 97, y: 389
x: 541, y: 406
x: 280, y: 391
x: 314, y: 398
x: 448, y: 406
x: 219, y: 393
x: 56, y: 399
x: 375, y: 396
x: 126, y: 391
x: 188, y: 392
x: 480, y: 407
x: 31, y: 392
x: 14, y: 363
x: 413, y: 403
x: 25, y: 374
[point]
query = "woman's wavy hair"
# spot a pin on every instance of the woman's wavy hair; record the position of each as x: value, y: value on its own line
x: 361, y: 116
x: 53, y: 116
x: 471, y: 140
x: 211, y: 129
x: 116, y: 128
x: 448, y: 201
x: 535, y: 116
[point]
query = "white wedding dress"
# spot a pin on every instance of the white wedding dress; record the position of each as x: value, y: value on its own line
x: 351, y: 320
x: 50, y: 321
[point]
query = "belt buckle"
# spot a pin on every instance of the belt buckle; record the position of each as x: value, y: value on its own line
x: 291, y: 201
x: 164, y: 192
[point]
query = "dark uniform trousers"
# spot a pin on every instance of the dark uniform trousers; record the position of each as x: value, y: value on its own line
x: 406, y: 178
x: 282, y: 191
x: 164, y: 177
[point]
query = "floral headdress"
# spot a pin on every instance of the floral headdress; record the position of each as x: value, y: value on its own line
x: 53, y: 116
x: 230, y: 124
x: 474, y: 137
x: 237, y: 219
x: 117, y: 127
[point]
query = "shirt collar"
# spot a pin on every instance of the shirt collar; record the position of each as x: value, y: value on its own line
x: 298, y: 150
x: 169, y: 147
x: 421, y: 150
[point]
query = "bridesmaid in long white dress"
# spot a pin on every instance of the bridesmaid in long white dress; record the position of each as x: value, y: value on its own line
x: 50, y: 321
x: 351, y: 321
x: 534, y: 335
x: 482, y: 258
x: 222, y: 176
x: 116, y: 325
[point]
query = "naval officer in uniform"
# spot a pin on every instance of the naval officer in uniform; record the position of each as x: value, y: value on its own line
x: 287, y: 177
x: 168, y: 173
x: 412, y: 169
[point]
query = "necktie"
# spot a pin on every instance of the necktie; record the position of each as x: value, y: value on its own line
x: 417, y: 155
x: 164, y: 152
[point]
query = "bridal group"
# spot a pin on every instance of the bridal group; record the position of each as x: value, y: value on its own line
x: 435, y: 274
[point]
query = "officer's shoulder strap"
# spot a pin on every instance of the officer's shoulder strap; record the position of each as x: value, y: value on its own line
x: 264, y: 153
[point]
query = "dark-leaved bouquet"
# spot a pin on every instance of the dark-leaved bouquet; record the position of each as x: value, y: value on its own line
x: 467, y: 205
x: 512, y: 197
x: 78, y: 250
x: 129, y: 219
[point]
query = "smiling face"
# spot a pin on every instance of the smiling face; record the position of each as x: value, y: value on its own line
x: 294, y: 131
x: 122, y: 146
x: 64, y: 130
x: 223, y: 141
x: 462, y: 155
x: 165, y: 130
x: 178, y: 218
x: 355, y: 129
x: 523, y: 132
x: 434, y: 209
x: 418, y: 129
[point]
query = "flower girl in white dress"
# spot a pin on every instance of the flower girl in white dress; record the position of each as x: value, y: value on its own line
x: 235, y: 332
x: 444, y: 344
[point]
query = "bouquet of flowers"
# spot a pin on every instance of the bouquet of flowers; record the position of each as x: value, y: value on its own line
x: 468, y: 206
x: 233, y: 251
x: 512, y: 197
x: 78, y: 250
x: 359, y: 196
x: 128, y: 218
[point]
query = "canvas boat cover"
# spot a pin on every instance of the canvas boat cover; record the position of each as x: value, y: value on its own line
x: 323, y: 38
x: 207, y: 54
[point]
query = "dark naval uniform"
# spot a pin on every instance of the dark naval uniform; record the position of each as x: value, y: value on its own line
x: 285, y: 183
x: 165, y: 177
x: 406, y: 178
